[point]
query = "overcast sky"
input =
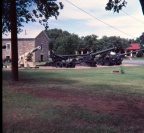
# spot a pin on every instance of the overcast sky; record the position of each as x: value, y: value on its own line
x: 87, y: 17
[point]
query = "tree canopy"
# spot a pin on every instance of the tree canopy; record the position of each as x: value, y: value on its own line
x: 142, y: 5
x: 29, y: 10
x: 117, y: 5
x: 63, y: 42
x: 140, y: 40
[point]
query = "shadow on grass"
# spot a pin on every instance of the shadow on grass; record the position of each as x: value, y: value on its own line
x: 39, y: 78
x: 59, y: 79
x: 77, y: 119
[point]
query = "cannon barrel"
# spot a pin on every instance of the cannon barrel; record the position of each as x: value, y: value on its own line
x: 103, y: 51
x: 74, y: 55
x: 29, y: 53
x: 84, y: 54
x: 130, y: 52
x: 35, y: 49
x: 90, y: 53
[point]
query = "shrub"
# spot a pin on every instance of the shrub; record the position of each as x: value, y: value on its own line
x: 139, y: 54
x: 122, y: 70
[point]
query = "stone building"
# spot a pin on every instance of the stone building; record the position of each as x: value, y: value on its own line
x: 27, y: 44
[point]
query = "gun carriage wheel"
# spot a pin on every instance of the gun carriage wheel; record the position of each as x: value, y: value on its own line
x: 58, y: 64
x: 107, y: 63
x: 72, y: 64
x: 64, y: 64
x: 100, y: 62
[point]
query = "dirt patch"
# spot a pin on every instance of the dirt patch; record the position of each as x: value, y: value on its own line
x: 82, y: 67
x: 77, y: 67
x: 116, y: 104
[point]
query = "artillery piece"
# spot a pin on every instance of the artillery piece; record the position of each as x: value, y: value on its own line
x: 26, y: 58
x: 63, y: 60
x: 110, y: 60
x: 88, y: 59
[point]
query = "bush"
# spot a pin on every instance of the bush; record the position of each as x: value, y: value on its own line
x: 139, y: 54
x: 122, y: 70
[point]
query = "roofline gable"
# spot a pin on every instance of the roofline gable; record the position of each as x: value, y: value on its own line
x: 44, y: 34
x: 133, y: 46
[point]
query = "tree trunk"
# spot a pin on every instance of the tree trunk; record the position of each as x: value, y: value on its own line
x: 14, y: 46
x: 142, y: 5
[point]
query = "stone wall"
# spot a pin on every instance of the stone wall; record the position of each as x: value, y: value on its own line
x: 27, y: 44
x: 43, y: 41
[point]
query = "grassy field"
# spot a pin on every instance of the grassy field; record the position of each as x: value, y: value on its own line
x: 74, y: 101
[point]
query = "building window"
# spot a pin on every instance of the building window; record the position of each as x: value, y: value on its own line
x: 8, y: 46
x: 41, y: 46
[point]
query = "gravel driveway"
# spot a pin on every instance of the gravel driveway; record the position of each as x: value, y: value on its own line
x: 135, y: 62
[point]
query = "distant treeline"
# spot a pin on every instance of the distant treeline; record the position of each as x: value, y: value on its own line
x: 63, y: 42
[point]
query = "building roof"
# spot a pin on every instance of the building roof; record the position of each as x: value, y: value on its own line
x: 27, y: 34
x: 133, y: 46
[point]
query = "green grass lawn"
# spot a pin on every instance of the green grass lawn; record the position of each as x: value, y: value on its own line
x: 74, y: 101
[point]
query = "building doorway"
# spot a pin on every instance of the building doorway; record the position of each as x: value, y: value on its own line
x: 41, y: 57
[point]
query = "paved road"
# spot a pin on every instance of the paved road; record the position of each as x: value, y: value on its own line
x: 136, y: 62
